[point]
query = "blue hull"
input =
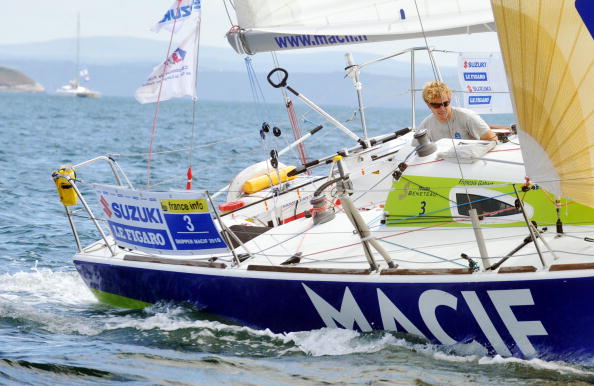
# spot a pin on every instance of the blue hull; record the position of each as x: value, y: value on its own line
x: 548, y: 318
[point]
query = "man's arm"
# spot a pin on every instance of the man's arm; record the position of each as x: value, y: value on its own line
x: 489, y: 135
x: 477, y: 127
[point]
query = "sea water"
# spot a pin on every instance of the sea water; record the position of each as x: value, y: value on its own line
x: 53, y: 331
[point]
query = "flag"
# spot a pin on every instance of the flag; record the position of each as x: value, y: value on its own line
x: 178, y: 13
x: 176, y: 77
x: 84, y: 74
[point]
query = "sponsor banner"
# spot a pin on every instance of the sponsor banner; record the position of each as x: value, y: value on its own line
x: 483, y: 83
x: 174, y: 78
x: 177, y: 15
x: 160, y: 222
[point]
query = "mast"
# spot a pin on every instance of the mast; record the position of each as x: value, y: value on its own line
x: 76, y: 69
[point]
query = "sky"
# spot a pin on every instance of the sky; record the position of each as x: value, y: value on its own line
x: 26, y: 21
x: 42, y: 20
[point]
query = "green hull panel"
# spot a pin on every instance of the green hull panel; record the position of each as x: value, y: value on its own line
x: 430, y: 201
x: 119, y: 301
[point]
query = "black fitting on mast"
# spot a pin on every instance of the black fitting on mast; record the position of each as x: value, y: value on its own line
x: 398, y: 172
x: 282, y: 82
x: 559, y: 223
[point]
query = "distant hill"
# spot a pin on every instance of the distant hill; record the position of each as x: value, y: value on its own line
x: 12, y: 80
x: 118, y: 66
x: 124, y: 50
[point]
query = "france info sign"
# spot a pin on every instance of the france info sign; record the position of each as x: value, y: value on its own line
x: 483, y: 83
x: 160, y: 222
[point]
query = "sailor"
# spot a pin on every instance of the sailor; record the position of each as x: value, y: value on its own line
x: 451, y: 122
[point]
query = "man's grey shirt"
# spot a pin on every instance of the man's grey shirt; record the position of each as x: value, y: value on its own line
x: 464, y: 124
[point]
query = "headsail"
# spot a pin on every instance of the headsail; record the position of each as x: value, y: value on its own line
x: 548, y: 52
x: 273, y: 25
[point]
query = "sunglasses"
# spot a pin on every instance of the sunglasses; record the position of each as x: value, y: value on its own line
x: 438, y: 105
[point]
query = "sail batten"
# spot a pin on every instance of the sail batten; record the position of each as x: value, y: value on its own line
x: 549, y: 58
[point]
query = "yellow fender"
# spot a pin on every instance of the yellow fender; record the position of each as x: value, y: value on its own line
x: 65, y: 189
x: 256, y: 184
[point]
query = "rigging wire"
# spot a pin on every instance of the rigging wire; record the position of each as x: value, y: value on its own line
x: 300, y: 152
x: 194, y: 102
x: 436, y: 77
x: 234, y: 138
x: 424, y: 253
x: 227, y: 11
x: 260, y: 102
x: 156, y: 114
x: 256, y: 89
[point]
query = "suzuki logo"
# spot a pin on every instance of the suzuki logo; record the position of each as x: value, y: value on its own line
x: 106, y: 209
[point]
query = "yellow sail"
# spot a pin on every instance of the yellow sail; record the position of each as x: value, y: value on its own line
x: 548, y: 51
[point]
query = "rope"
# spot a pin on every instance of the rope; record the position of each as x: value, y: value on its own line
x: 234, y: 138
x: 156, y: 115
x: 257, y: 94
x: 425, y: 253
x: 436, y: 77
x: 458, y: 205
x: 296, y: 131
x: 259, y: 101
x: 227, y: 11
x: 414, y: 230
x: 192, y: 141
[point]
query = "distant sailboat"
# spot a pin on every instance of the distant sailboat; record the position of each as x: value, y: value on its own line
x: 73, y: 88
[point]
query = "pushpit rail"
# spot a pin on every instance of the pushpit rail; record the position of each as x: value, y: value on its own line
x: 65, y: 180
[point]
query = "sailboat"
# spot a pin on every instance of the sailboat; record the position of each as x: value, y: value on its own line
x: 74, y: 88
x: 464, y: 243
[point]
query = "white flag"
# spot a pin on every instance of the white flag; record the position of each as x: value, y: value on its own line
x: 84, y: 74
x: 176, y: 77
x: 179, y: 13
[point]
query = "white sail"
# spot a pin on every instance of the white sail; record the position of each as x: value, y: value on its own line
x: 273, y: 25
x: 548, y: 49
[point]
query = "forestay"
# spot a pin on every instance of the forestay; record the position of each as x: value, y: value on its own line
x: 273, y: 25
x: 548, y: 51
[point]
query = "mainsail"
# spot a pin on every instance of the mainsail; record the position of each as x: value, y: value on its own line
x: 548, y: 52
x: 273, y: 25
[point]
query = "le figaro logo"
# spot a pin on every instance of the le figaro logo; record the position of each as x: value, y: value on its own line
x: 475, y: 76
